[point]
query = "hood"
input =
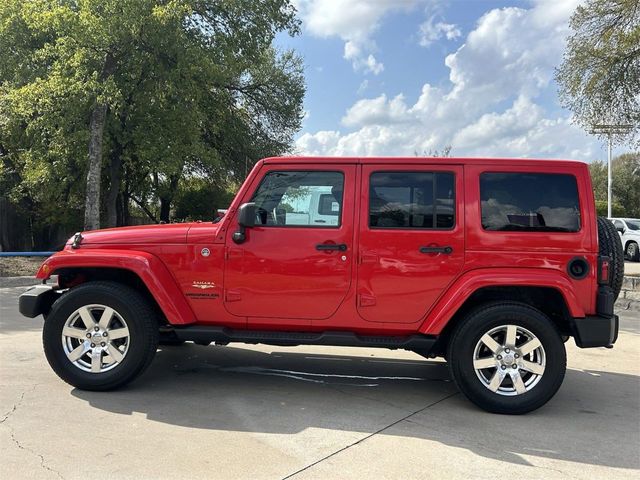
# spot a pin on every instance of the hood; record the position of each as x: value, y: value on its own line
x: 144, y: 234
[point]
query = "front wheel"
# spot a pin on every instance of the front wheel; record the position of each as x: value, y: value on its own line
x: 507, y: 358
x: 100, y: 335
x: 633, y: 252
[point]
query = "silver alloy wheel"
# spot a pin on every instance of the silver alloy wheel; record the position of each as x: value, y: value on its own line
x: 509, y: 360
x: 95, y: 338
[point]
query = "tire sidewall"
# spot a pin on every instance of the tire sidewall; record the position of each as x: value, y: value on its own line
x: 610, y: 245
x: 52, y: 337
x: 463, y: 348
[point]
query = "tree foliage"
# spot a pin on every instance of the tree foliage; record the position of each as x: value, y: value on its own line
x: 599, y: 77
x: 625, y: 186
x: 187, y: 88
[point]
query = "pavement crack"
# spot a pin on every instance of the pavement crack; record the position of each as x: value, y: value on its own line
x: 6, y: 416
x: 12, y: 432
x: 43, y: 463
x: 367, y: 437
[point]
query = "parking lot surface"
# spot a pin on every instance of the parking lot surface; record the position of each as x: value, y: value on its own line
x: 238, y: 412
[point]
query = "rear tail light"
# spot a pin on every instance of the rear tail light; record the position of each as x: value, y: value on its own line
x: 604, y: 268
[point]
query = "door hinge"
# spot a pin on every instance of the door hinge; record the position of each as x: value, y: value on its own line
x: 232, y: 296
x: 368, y: 258
x: 365, y: 300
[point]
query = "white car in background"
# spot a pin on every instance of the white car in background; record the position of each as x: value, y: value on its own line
x: 629, y: 231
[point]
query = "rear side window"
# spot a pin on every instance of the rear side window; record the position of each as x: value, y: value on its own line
x: 534, y: 202
x: 421, y: 200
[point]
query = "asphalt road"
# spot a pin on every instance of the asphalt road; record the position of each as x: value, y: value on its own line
x: 240, y: 412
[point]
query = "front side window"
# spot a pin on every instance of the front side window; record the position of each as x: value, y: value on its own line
x: 420, y: 200
x: 298, y: 198
x: 533, y: 202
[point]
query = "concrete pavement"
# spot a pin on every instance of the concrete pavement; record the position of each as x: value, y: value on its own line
x: 309, y: 412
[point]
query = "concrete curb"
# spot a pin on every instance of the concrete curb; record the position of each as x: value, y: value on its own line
x: 624, y: 304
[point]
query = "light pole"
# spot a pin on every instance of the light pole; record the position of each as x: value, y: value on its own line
x: 609, y: 131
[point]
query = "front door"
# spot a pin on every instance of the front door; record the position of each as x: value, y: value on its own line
x: 411, y: 239
x: 296, y: 263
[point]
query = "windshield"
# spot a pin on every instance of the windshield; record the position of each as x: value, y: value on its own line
x: 633, y: 224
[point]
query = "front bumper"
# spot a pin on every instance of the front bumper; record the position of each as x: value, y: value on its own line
x: 595, y: 331
x: 37, y: 300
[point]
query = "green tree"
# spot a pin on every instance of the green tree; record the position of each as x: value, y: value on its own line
x: 108, y: 102
x: 199, y: 199
x: 599, y: 77
x: 598, y: 171
x: 625, y: 188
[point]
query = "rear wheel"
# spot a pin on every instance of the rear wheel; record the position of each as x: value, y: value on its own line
x: 632, y: 251
x: 507, y: 358
x: 100, y: 335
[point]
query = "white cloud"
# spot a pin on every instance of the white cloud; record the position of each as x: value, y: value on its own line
x: 363, y: 87
x: 319, y: 143
x: 489, y: 108
x: 376, y: 111
x: 354, y: 21
x: 514, y: 122
x: 431, y: 31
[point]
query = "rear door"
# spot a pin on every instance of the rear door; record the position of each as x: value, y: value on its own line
x: 296, y: 263
x: 411, y: 239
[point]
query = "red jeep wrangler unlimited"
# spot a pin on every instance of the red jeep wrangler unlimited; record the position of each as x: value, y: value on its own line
x: 491, y: 264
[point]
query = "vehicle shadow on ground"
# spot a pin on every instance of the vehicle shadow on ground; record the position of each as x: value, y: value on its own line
x: 238, y: 389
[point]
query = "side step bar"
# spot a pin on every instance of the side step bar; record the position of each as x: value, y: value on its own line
x: 421, y: 344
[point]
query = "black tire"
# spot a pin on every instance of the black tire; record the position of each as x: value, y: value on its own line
x: 467, y: 335
x: 611, y: 246
x: 140, y: 320
x: 633, y: 252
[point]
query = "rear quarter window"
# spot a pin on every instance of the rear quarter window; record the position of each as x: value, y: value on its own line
x: 529, y: 202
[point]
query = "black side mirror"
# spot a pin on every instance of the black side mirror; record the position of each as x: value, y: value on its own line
x: 620, y: 229
x: 247, y: 215
x: 246, y: 219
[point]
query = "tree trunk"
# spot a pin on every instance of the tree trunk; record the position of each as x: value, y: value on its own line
x: 165, y: 209
x: 119, y: 210
x: 126, y: 197
x: 92, y: 201
x: 94, y: 174
x: 167, y: 197
x: 115, y: 174
x: 126, y: 212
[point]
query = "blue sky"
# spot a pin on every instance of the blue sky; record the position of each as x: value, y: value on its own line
x: 395, y: 77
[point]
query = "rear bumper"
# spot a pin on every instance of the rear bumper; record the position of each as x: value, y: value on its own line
x: 595, y: 331
x: 601, y: 329
x: 37, y: 300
